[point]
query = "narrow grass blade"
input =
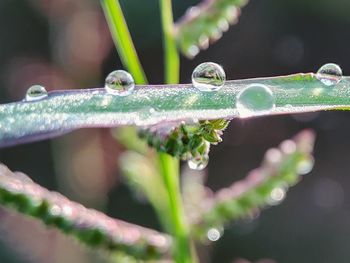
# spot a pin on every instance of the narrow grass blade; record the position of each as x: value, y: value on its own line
x: 63, y: 111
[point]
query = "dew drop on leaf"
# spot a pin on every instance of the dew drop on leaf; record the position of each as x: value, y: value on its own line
x: 36, y: 92
x: 198, y: 163
x: 329, y: 74
x: 119, y: 82
x: 254, y: 100
x: 208, y: 76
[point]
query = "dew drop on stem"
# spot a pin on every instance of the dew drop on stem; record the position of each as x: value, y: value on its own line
x: 36, y: 92
x: 329, y: 74
x: 254, y: 100
x: 198, y: 163
x: 120, y: 83
x: 208, y: 76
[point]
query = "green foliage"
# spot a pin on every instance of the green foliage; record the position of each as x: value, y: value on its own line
x: 185, y: 141
x: 205, y: 23
x: 264, y: 186
x: 92, y: 228
x: 64, y: 111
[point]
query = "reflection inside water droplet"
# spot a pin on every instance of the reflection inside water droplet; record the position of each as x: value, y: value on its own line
x: 330, y: 74
x: 208, y: 76
x: 36, y: 92
x: 254, y: 100
x: 198, y: 163
x: 119, y: 82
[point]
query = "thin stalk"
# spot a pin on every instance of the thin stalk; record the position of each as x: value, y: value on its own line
x: 123, y: 40
x: 169, y: 166
x: 171, y: 55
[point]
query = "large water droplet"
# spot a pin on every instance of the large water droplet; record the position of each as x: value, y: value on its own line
x: 256, y: 99
x: 36, y: 92
x: 208, y: 76
x: 119, y: 82
x: 329, y: 74
x: 198, y: 163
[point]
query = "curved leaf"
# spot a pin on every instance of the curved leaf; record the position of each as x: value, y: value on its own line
x: 63, y: 111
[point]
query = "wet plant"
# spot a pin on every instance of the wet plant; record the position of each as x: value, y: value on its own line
x: 160, y: 125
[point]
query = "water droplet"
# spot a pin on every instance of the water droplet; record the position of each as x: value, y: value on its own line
x: 208, y: 76
x: 305, y: 165
x: 214, y: 234
x: 256, y: 99
x: 329, y: 74
x: 119, y: 82
x: 192, y: 51
x: 36, y: 92
x: 277, y: 195
x: 198, y: 163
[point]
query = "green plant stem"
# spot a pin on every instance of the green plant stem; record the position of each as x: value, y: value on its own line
x: 169, y: 168
x: 171, y: 55
x: 122, y: 39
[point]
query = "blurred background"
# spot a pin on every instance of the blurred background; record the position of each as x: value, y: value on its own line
x: 65, y: 44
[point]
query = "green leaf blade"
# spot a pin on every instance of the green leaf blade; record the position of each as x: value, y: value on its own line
x: 64, y: 111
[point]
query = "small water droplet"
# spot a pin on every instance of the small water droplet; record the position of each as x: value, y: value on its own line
x: 208, y: 76
x: 192, y: 51
x: 329, y: 74
x: 305, y: 165
x: 214, y: 234
x: 198, y: 163
x: 119, y: 82
x: 277, y: 195
x: 36, y: 92
x: 254, y: 100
